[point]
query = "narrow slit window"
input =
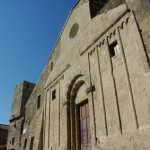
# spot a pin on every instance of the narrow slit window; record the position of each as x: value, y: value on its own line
x: 14, y: 126
x: 53, y: 94
x: 13, y: 141
x: 25, y: 144
x: 31, y: 144
x: 51, y: 65
x: 114, y: 49
x: 38, y: 101
x: 27, y: 86
x: 22, y: 123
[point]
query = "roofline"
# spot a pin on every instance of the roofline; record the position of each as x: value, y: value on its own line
x: 4, y: 125
x: 62, y: 30
x: 53, y: 49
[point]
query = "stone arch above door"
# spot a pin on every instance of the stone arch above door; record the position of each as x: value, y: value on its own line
x: 76, y: 83
x: 76, y: 96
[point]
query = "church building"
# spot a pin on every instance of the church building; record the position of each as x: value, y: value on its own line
x: 94, y: 92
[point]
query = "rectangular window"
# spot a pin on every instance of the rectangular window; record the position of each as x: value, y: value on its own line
x: 51, y: 65
x: 22, y: 123
x: 13, y: 141
x: 14, y: 126
x: 53, y: 94
x: 114, y: 49
x: 31, y: 144
x: 38, y: 101
x: 27, y: 85
x: 25, y: 144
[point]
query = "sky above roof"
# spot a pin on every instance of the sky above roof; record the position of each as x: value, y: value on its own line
x: 28, y: 32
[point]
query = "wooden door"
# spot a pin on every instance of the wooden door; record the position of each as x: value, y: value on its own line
x: 85, y: 135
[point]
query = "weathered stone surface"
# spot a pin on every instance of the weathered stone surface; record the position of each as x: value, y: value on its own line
x: 22, y: 93
x: 104, y: 66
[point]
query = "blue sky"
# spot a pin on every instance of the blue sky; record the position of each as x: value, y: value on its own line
x: 28, y: 32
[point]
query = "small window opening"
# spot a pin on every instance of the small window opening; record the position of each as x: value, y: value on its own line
x: 114, y: 49
x: 25, y: 144
x: 51, y: 65
x: 53, y: 94
x: 13, y: 141
x: 27, y: 86
x: 31, y: 144
x: 22, y: 123
x: 14, y: 126
x: 38, y: 101
x: 96, y: 6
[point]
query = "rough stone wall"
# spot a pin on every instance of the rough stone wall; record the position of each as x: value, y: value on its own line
x: 34, y: 117
x: 85, y: 67
x: 141, y: 9
x: 16, y: 104
x: 21, y: 95
x: 27, y: 90
x: 14, y: 134
x: 124, y: 106
x: 118, y: 106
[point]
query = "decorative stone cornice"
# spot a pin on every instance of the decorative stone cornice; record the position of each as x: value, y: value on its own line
x: 100, y: 37
x: 59, y: 77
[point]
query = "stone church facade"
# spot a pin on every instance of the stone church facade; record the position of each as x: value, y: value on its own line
x: 94, y: 91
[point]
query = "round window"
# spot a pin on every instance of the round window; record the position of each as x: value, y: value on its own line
x: 74, y: 30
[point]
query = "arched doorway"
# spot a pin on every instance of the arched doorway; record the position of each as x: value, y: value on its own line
x: 79, y: 135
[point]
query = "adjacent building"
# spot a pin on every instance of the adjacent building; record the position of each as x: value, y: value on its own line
x: 22, y: 93
x: 94, y: 91
x: 3, y: 136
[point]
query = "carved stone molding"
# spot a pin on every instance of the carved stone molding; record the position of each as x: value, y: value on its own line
x: 124, y: 18
x: 59, y: 77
